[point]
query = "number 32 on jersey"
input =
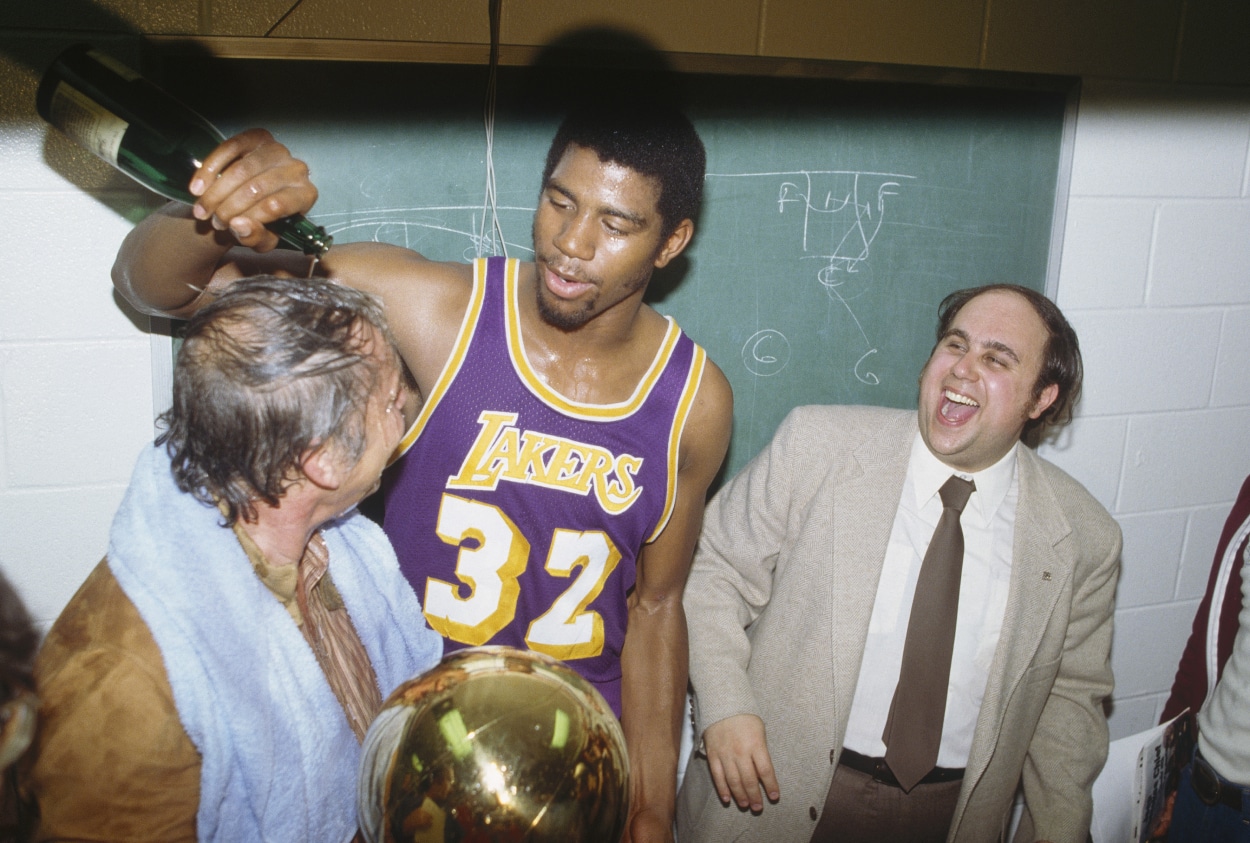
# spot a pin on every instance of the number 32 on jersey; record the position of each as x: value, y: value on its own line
x: 492, y: 557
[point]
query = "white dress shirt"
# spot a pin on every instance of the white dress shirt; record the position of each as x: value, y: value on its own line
x: 988, y: 523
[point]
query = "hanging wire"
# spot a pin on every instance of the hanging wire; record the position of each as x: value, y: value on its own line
x: 285, y: 15
x: 490, y: 226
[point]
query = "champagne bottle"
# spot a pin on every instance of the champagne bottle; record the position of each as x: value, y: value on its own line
x: 113, y: 112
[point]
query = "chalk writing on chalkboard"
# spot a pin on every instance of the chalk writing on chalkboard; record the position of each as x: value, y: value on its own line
x: 410, y: 227
x: 766, y: 353
x: 838, y: 215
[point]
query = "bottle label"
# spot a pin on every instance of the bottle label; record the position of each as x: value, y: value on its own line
x: 87, y: 123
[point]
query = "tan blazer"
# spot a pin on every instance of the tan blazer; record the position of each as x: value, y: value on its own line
x: 778, y: 605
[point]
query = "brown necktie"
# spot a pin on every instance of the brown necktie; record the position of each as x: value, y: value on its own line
x: 913, y: 730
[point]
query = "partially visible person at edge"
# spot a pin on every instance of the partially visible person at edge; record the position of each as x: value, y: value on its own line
x: 1213, y: 798
x: 801, y: 597
x: 214, y: 676
x: 18, y: 703
x: 549, y: 492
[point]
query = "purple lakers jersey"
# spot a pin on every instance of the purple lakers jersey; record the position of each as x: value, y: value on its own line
x: 517, y: 514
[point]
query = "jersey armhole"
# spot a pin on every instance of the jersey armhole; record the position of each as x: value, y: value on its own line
x: 468, y: 326
x: 693, y: 380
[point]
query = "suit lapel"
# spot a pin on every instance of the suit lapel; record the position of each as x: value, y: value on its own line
x: 1038, y: 577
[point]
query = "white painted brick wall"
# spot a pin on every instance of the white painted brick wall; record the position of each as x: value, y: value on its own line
x: 1201, y: 254
x: 1154, y: 541
x: 1203, y: 533
x: 1156, y: 278
x: 1142, y: 141
x: 1184, y: 459
x: 1146, y: 359
x: 1232, y: 369
x: 1106, y: 247
x: 75, y: 367
x: 59, y: 245
x: 52, y: 538
x: 1092, y: 450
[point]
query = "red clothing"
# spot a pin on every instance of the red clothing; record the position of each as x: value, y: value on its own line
x: 1189, y: 690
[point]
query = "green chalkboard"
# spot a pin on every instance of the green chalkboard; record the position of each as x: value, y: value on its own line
x: 837, y: 214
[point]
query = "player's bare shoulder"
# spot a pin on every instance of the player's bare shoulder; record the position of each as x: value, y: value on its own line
x: 393, y: 271
x: 711, y: 419
x: 715, y: 400
x: 425, y: 301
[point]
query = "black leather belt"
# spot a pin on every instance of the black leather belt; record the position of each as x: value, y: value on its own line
x: 1211, y: 789
x: 880, y: 771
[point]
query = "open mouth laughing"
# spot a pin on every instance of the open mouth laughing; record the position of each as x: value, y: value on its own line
x: 957, y: 408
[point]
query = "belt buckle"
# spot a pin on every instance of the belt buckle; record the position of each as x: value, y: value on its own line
x: 1206, y: 783
x: 882, y: 773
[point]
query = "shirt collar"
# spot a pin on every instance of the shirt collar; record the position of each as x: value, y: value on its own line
x: 929, y: 473
x: 284, y: 580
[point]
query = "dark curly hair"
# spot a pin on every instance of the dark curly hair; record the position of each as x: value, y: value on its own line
x: 1061, y: 358
x: 652, y: 139
x: 18, y: 643
x: 270, y: 369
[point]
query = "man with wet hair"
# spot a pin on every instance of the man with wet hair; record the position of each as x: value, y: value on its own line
x: 214, y: 676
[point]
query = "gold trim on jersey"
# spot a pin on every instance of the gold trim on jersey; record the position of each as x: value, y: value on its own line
x: 468, y: 327
x: 691, y: 389
x: 553, y: 399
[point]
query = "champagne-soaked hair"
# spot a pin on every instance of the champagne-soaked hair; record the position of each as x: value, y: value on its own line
x: 1061, y: 358
x: 273, y: 368
x: 652, y: 139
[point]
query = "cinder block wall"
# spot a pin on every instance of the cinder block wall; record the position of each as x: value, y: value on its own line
x: 1156, y: 279
x: 1155, y: 270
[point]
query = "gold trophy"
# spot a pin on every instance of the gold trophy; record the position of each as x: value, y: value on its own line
x: 494, y: 744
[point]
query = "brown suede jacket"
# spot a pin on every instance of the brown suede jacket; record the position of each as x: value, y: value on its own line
x: 111, y: 760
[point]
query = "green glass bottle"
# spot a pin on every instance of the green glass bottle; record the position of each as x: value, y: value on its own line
x: 113, y: 112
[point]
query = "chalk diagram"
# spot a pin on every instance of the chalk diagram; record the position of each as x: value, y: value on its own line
x: 766, y: 353
x: 411, y: 227
x: 838, y: 214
